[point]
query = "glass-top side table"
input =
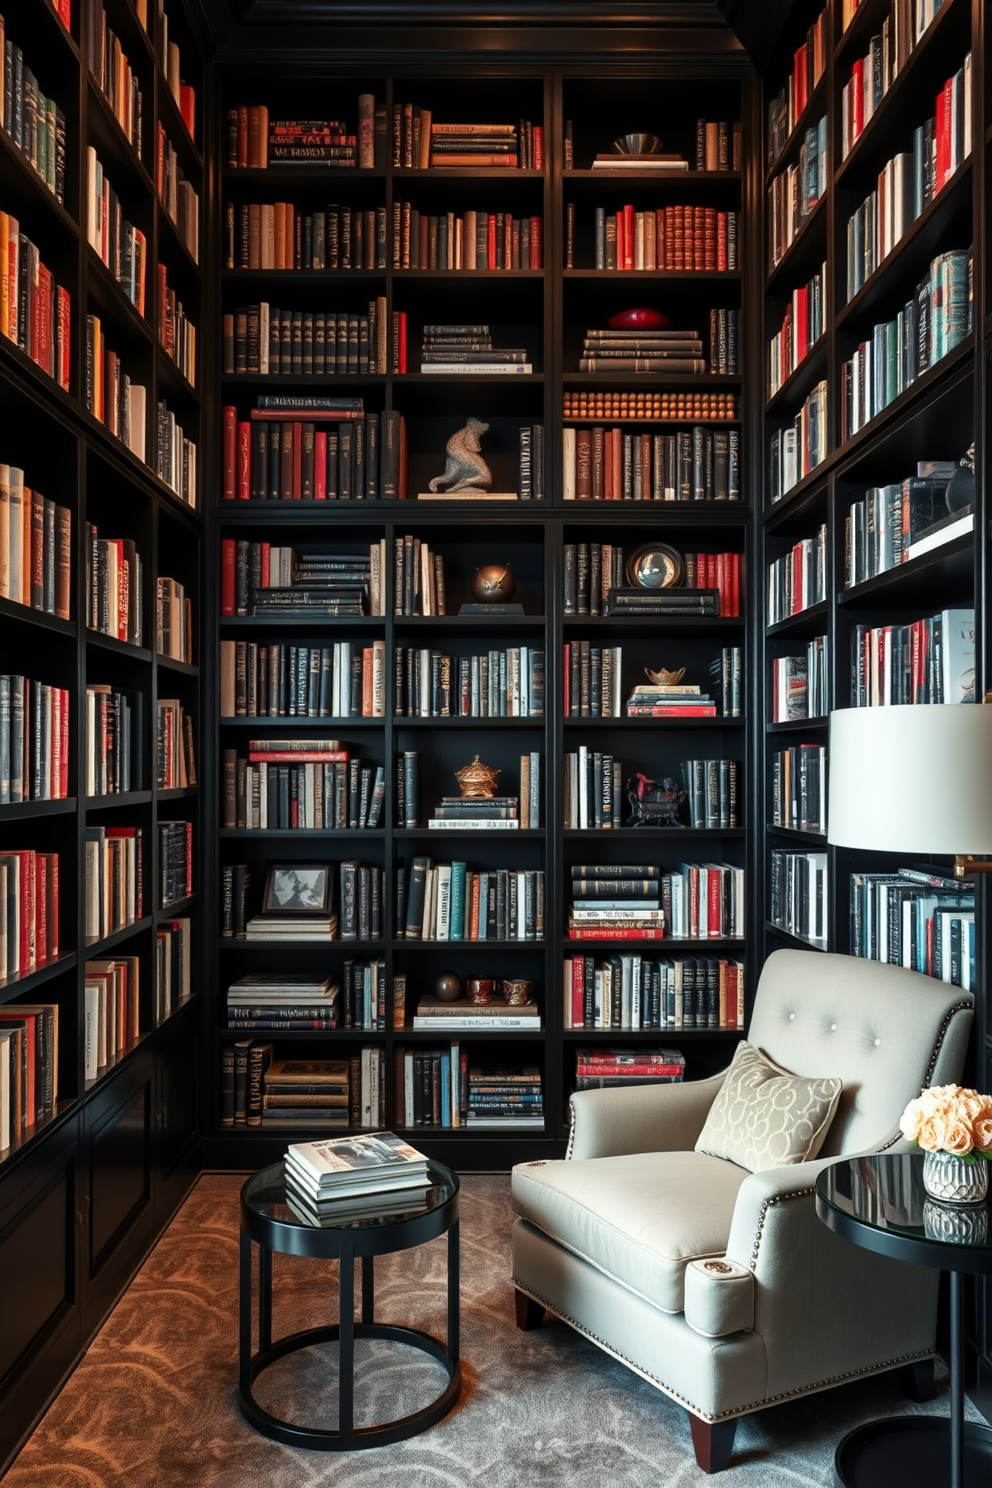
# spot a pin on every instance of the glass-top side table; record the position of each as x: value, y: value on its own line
x: 268, y: 1222
x: 879, y: 1203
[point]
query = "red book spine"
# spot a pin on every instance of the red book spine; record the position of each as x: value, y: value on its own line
x: 403, y: 342
x: 735, y: 580
x: 297, y: 459
x: 490, y: 241
x: 536, y: 250
x: 27, y: 948
x: 228, y: 562
x: 537, y: 153
x: 53, y: 900
x: 189, y: 859
x: 714, y: 922
x: 244, y: 461
x: 578, y: 991
x: 230, y: 446
x: 298, y: 756
x: 618, y: 218
x: 320, y: 466
x: 857, y: 103
x: 638, y: 1071
x: 41, y: 911
x: 614, y: 933
x: 64, y: 304
x: 266, y: 564
x: 666, y: 710
x: 801, y: 325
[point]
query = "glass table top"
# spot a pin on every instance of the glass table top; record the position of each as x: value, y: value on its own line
x: 268, y: 1196
x: 885, y: 1194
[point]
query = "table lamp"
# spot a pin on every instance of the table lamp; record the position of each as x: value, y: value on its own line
x: 913, y: 779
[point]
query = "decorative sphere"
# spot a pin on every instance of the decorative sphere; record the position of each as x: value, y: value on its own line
x: 638, y: 320
x: 494, y: 584
x: 448, y: 987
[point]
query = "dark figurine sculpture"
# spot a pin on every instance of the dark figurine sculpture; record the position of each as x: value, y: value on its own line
x: 655, y: 803
x: 465, y: 469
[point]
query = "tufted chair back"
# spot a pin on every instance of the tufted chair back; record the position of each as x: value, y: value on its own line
x: 884, y: 1031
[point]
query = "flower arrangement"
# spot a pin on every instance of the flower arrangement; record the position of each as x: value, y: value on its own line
x: 951, y: 1119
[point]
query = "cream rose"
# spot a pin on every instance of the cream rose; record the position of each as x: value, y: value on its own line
x: 957, y: 1137
x: 931, y: 1134
x: 982, y: 1132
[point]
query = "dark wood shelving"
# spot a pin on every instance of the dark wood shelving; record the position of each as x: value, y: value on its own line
x: 802, y: 255
x: 815, y: 105
x: 920, y: 581
x: 11, y: 987
x: 118, y: 648
x: 799, y: 835
x: 801, y: 379
x: 97, y: 948
x: 25, y: 810
x: 803, y: 623
x: 798, y: 942
x: 114, y: 802
x: 31, y: 186
x: 651, y: 177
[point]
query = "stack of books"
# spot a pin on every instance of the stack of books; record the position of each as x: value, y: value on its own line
x: 505, y: 1098
x: 642, y: 351
x: 465, y: 814
x: 311, y: 142
x: 616, y: 901
x: 636, y: 601
x: 306, y: 1092
x: 600, y: 1069
x: 328, y: 1182
x: 469, y: 146
x: 282, y: 1000
x: 450, y: 1017
x: 611, y: 160
x: 330, y: 583
x: 469, y: 348
x: 682, y: 700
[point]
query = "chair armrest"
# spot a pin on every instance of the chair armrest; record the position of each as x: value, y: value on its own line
x: 646, y: 1118
x: 814, y: 1291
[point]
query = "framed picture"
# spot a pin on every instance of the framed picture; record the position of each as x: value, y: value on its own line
x: 298, y: 889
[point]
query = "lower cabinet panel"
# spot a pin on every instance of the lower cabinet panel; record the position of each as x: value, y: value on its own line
x: 120, y: 1172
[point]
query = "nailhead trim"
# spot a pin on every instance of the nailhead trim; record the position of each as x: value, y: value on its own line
x: 799, y: 1193
x: 958, y: 1007
x: 742, y: 1410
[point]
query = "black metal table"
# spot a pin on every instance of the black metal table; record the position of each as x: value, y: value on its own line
x: 880, y: 1204
x: 268, y: 1222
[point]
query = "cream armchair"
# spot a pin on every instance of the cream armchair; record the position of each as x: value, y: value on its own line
x: 719, y: 1286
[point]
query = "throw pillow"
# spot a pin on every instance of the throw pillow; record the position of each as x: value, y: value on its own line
x: 765, y: 1117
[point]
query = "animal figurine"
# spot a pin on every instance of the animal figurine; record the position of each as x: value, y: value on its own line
x: 465, y: 469
x: 655, y: 803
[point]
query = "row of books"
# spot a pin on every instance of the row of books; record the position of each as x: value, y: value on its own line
x: 254, y: 140
x: 801, y: 684
x: 916, y: 919
x: 919, y: 13
x: 110, y: 395
x: 591, y: 570
x: 173, y: 966
x: 630, y: 992
x: 698, y: 901
x: 713, y: 793
x: 260, y: 339
x: 593, y: 793
x: 114, y: 587
x: 343, y: 680
x: 470, y: 240
x: 34, y: 123
x: 35, y: 311
x: 29, y: 1067
x: 173, y: 621
x: 115, y: 722
x: 717, y: 148
x: 176, y: 332
x: 35, y: 546
x: 258, y: 1090
x: 873, y: 74
x: 260, y: 577
x: 262, y: 793
x: 279, y: 235
x: 643, y: 407
x: 789, y: 103
x: 114, y: 883
x: 174, y: 747
x: 697, y: 464
x: 112, y: 1011
x: 29, y: 911
x: 794, y: 192
x: 450, y: 901
x: 183, y: 94
x: 799, y: 788
x: 799, y: 447
x: 798, y: 579
x: 676, y: 237
x: 440, y: 1089
x: 115, y: 78
x: 175, y: 862
x: 908, y: 183
x: 122, y: 247
x: 418, y: 578
x: 642, y: 351
x: 34, y: 741
x: 798, y: 895
x: 175, y: 456
x: 303, y: 449
x: 458, y: 813
x: 419, y: 143
x: 931, y: 324
x: 177, y: 195
x: 803, y: 324
x: 499, y: 683
x: 929, y: 661
x: 881, y: 529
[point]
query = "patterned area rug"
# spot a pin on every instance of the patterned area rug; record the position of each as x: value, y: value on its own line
x: 153, y: 1404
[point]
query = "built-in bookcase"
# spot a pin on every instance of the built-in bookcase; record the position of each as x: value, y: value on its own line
x: 935, y: 417
x: 85, y: 1189
x: 548, y: 311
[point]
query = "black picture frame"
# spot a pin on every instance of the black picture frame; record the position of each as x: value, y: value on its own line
x: 288, y: 887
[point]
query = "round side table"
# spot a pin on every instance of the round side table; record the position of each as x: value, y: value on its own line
x: 880, y: 1204
x: 269, y: 1222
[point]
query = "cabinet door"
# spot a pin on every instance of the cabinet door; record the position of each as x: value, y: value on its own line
x: 39, y: 1332
x: 118, y: 1176
x: 178, y: 1065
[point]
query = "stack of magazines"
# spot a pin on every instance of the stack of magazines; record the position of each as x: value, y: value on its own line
x: 328, y: 1183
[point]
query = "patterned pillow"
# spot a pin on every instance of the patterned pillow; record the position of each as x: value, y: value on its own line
x: 765, y: 1117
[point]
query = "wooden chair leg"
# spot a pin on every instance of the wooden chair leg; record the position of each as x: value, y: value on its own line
x: 530, y: 1314
x: 713, y: 1442
x: 917, y: 1380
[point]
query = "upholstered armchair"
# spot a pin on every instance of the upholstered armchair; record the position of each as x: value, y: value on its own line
x: 620, y: 1239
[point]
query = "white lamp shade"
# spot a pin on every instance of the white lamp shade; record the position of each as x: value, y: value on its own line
x: 912, y: 779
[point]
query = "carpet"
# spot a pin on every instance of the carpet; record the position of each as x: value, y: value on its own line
x: 153, y: 1403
